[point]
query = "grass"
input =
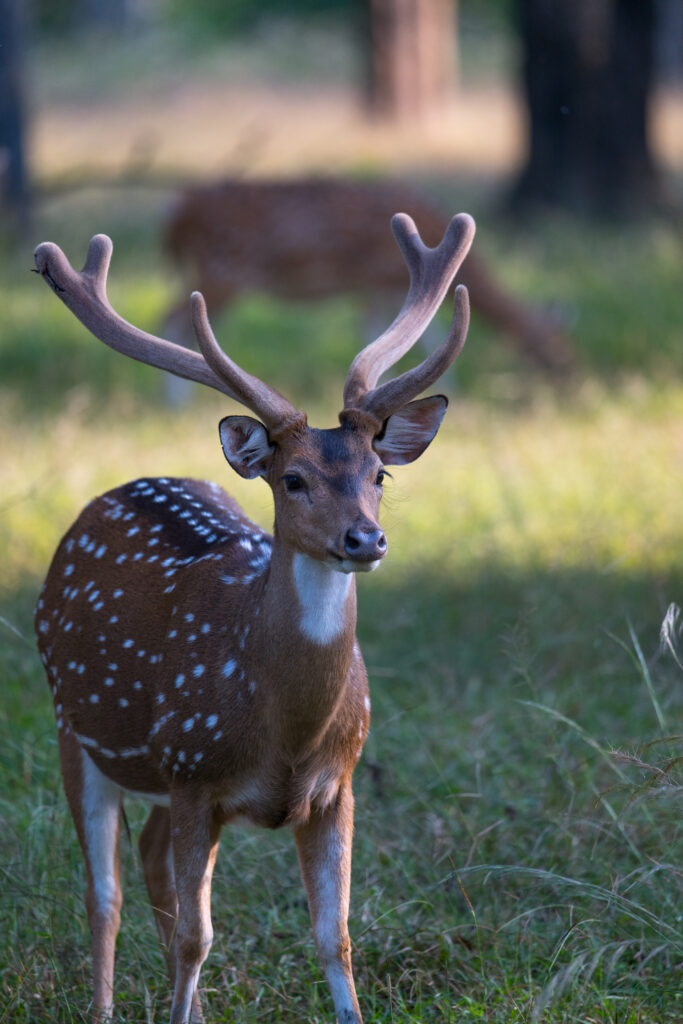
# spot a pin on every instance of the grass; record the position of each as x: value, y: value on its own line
x: 517, y: 855
x: 518, y: 841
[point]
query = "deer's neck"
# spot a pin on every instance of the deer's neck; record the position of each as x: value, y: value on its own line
x: 305, y: 638
x: 323, y: 598
x: 311, y: 604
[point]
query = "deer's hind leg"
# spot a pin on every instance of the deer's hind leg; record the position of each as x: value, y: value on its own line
x: 156, y: 852
x: 95, y: 804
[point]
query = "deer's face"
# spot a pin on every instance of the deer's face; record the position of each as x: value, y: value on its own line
x: 327, y: 488
x: 327, y: 484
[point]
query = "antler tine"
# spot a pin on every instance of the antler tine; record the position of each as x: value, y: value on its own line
x: 431, y: 272
x: 385, y: 399
x: 85, y: 294
x: 272, y: 407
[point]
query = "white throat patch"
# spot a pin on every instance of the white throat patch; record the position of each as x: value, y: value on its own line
x: 322, y: 594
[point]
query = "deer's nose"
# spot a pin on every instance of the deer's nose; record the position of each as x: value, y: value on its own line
x: 365, y: 545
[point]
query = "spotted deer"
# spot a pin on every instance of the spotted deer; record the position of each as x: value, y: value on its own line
x: 211, y: 668
x: 327, y: 236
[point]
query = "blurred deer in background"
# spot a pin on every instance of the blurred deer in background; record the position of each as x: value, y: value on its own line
x: 210, y: 668
x: 326, y: 237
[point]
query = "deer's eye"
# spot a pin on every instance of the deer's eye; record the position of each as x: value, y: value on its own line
x: 381, y: 477
x: 292, y: 482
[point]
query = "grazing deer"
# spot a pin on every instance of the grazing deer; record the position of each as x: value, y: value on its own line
x: 210, y: 668
x: 327, y: 236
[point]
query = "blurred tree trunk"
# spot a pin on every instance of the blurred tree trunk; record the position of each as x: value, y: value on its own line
x: 14, y: 189
x: 413, y: 56
x: 587, y: 75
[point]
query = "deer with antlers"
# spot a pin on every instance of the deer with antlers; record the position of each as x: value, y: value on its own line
x: 211, y: 668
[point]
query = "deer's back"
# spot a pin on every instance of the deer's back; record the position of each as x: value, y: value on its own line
x: 302, y: 239
x: 151, y: 575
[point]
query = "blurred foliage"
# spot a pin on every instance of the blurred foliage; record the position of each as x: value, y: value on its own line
x: 55, y: 19
x: 224, y: 18
x: 50, y: 18
x: 216, y: 17
x: 209, y: 17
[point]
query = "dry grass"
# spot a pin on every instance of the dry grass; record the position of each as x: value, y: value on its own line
x: 263, y: 130
x: 257, y: 107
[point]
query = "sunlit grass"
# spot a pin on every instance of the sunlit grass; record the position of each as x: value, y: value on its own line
x: 593, y: 486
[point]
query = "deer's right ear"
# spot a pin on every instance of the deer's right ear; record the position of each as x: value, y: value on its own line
x: 246, y: 445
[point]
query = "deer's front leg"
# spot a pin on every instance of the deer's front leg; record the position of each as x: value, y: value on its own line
x: 194, y: 835
x: 324, y: 848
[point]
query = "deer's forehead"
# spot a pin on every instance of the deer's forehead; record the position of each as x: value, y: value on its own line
x: 333, y: 454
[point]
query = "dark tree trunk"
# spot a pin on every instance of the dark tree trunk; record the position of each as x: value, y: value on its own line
x: 412, y: 56
x: 587, y: 76
x: 14, y: 190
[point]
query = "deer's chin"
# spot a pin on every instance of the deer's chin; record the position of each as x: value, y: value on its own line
x: 348, y: 565
x: 363, y: 566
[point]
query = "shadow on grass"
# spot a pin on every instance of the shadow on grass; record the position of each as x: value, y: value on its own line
x: 498, y: 850
x: 501, y: 624
x: 559, y: 636
x: 552, y: 629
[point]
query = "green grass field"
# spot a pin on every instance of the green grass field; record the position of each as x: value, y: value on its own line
x: 518, y: 840
x: 518, y: 844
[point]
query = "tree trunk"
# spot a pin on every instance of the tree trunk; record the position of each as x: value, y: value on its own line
x: 14, y: 190
x: 412, y: 56
x: 587, y: 76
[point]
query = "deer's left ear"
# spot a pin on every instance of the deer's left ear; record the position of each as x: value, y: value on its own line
x: 409, y: 431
